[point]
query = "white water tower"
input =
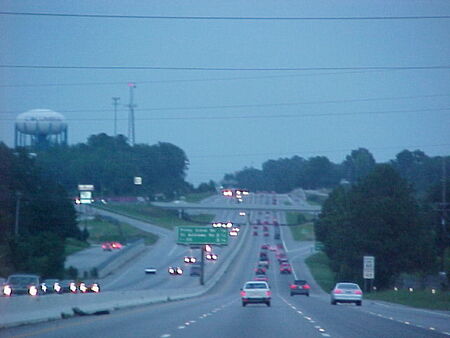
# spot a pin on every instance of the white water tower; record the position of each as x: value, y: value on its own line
x: 40, y: 128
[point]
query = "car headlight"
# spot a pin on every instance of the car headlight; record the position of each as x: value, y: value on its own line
x: 95, y: 288
x: 32, y: 290
x: 7, y: 290
x: 83, y: 287
x: 57, y: 287
x: 73, y: 287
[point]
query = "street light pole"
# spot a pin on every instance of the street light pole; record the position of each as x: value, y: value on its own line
x: 16, y: 223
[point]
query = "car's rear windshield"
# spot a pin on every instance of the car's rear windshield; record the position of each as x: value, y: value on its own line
x: 255, y: 286
x: 300, y: 282
x: 348, y: 286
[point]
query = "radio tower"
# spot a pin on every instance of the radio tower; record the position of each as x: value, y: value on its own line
x: 131, y: 106
x: 115, y: 101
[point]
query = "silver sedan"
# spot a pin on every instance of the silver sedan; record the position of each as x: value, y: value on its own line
x: 346, y: 293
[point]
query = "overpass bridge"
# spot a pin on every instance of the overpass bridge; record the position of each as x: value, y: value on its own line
x: 181, y: 205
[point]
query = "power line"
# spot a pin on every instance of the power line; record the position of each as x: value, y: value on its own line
x: 187, y: 80
x: 237, y: 18
x: 273, y: 116
x: 252, y: 69
x: 257, y: 105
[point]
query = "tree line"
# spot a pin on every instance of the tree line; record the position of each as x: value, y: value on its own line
x: 286, y: 174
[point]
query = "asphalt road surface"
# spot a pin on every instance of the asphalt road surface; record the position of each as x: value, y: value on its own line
x: 219, y: 313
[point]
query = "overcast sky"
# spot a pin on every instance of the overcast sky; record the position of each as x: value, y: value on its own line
x: 225, y: 120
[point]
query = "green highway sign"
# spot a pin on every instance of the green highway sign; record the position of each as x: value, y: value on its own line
x: 202, y: 235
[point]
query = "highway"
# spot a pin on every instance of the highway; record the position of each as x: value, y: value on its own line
x: 219, y: 313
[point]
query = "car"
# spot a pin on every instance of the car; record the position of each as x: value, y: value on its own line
x: 211, y: 256
x: 190, y: 259
x: 255, y: 233
x: 264, y: 263
x: 22, y: 284
x: 150, y: 270
x: 285, y: 268
x: 175, y: 270
x: 106, y: 246
x: 233, y: 233
x: 67, y: 286
x: 263, y: 255
x: 261, y: 277
x: 256, y: 292
x: 346, y: 292
x: 266, y: 234
x: 265, y: 247
x: 51, y: 285
x: 265, y: 228
x: 300, y: 287
x: 283, y: 260
x: 116, y: 245
x: 196, y: 270
x: 88, y: 287
x: 260, y: 271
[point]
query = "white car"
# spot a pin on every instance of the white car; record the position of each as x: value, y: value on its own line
x: 256, y: 292
x: 346, y: 293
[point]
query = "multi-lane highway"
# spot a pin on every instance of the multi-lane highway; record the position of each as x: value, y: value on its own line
x: 219, y: 312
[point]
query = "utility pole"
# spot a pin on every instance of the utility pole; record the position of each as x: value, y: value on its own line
x: 131, y: 106
x: 444, y: 197
x: 16, y: 223
x: 115, y: 102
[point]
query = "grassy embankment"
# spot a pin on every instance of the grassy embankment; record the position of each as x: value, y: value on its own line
x: 301, y: 226
x: 103, y: 230
x: 164, y: 218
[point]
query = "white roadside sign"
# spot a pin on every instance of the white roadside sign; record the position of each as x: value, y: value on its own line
x: 369, y: 267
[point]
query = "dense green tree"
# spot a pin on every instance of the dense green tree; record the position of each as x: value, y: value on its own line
x: 46, y: 217
x: 358, y: 164
x: 110, y: 164
x: 377, y: 216
x: 419, y: 169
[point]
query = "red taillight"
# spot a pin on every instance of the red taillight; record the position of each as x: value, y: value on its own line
x: 243, y: 293
x: 268, y: 293
x: 306, y: 286
x: 337, y: 291
x: 358, y: 292
x: 293, y: 286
